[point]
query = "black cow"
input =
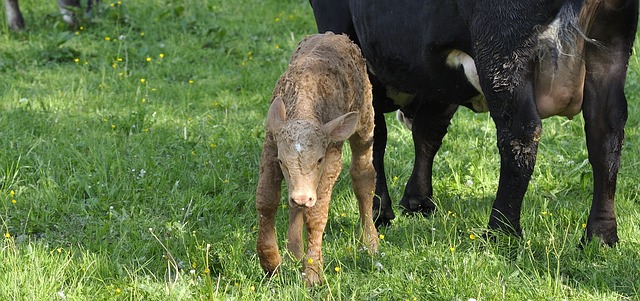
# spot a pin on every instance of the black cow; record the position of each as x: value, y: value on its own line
x: 67, y: 9
x: 521, y: 60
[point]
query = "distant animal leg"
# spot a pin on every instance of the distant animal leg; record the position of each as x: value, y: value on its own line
x: 14, y: 16
x: 67, y: 8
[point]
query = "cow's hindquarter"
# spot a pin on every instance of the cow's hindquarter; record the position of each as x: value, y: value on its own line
x: 613, y: 27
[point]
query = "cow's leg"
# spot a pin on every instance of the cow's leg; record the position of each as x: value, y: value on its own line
x: 430, y: 125
x: 519, y: 129
x: 267, y: 199
x: 316, y: 217
x: 605, y: 110
x: 14, y: 16
x: 333, y: 15
x: 363, y: 177
x: 382, y: 204
x: 504, y: 55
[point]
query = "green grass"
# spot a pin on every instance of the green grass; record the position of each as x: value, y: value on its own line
x: 135, y: 179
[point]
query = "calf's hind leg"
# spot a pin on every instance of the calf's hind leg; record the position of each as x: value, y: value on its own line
x: 363, y: 178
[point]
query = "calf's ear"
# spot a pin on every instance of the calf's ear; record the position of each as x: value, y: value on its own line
x: 343, y: 127
x: 277, y: 115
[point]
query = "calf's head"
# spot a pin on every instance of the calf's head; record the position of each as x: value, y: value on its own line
x: 302, y: 145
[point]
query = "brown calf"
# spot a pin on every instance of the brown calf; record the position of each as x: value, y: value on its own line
x: 322, y: 99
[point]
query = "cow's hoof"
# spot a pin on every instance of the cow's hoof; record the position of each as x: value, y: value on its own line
x: 382, y: 211
x: 383, y: 218
x: 605, y: 233
x: 412, y: 205
x: 500, y: 235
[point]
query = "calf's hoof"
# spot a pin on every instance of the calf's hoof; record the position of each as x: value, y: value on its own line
x: 312, y: 275
x: 269, y: 260
x: 414, y: 205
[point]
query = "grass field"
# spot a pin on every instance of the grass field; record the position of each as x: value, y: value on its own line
x: 129, y: 160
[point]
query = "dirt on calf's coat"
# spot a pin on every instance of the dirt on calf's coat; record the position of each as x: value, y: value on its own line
x: 322, y: 99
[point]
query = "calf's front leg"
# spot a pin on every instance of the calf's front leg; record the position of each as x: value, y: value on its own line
x: 294, y: 233
x: 267, y: 197
x: 316, y: 217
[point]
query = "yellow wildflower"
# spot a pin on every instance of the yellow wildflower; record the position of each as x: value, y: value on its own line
x: 12, y: 193
x: 472, y: 237
x: 337, y: 269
